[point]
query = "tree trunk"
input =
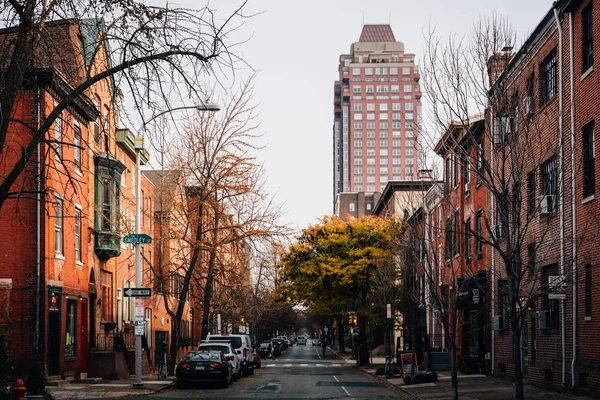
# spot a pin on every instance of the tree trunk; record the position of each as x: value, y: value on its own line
x: 173, y: 347
x: 516, y: 339
x: 362, y: 342
x: 341, y: 335
x: 210, y: 273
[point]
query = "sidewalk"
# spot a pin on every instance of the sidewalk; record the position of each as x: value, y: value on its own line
x: 95, y: 388
x: 470, y: 387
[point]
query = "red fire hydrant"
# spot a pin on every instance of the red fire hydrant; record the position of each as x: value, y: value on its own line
x: 18, y: 390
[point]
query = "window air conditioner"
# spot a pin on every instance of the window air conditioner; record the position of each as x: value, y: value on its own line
x: 543, y: 319
x: 528, y: 106
x: 546, y: 204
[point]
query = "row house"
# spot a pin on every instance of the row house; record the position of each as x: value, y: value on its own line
x: 542, y: 109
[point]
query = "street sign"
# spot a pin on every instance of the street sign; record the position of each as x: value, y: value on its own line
x: 139, y: 307
x: 389, y: 310
x: 139, y: 326
x: 137, y: 238
x: 138, y: 292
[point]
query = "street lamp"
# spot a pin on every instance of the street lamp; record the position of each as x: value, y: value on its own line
x: 139, y: 146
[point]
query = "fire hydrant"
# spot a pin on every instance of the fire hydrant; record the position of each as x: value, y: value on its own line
x: 18, y: 390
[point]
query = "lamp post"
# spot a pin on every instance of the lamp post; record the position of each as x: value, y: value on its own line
x: 139, y: 146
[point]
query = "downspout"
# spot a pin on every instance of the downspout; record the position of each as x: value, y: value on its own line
x: 561, y: 197
x: 493, y: 259
x: 573, y: 209
x: 38, y: 256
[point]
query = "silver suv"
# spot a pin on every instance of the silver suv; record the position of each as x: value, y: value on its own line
x: 242, y: 346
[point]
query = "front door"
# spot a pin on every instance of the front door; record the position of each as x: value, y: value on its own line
x: 54, y: 334
x: 159, y: 338
x: 83, y: 338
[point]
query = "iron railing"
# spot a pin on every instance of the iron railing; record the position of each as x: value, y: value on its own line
x: 437, y: 342
x: 109, y: 341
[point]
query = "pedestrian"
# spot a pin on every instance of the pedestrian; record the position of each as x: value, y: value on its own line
x: 271, y: 351
x: 324, y: 344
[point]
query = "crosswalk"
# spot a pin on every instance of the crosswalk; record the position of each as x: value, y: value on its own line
x: 318, y: 365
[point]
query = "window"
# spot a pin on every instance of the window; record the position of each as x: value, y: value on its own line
x: 358, y: 170
x: 531, y: 192
x: 407, y: 88
x: 396, y: 161
x: 549, y: 185
x: 548, y: 78
x: 370, y: 143
x: 383, y: 143
x: 358, y: 188
x: 357, y: 107
x: 395, y: 115
x: 409, y: 107
x: 383, y: 125
x: 383, y: 161
x: 382, y: 89
x: 383, y: 107
x: 58, y: 133
x: 531, y: 260
x: 358, y: 117
x: 588, y: 290
x: 78, y: 234
x: 358, y: 179
x: 71, y: 329
x: 105, y: 128
x: 503, y: 305
x: 356, y: 89
x: 480, y: 161
x: 396, y: 106
x: 589, y: 168
x: 478, y: 234
x: 347, y: 62
x: 358, y: 152
x: 551, y: 305
x: 77, y: 147
x: 395, y: 124
x: 357, y: 161
x: 107, y: 296
x: 468, y: 239
x: 448, y: 238
x: 394, y: 70
x: 380, y: 71
x: 351, y: 207
x: 466, y: 174
x: 587, y: 38
x: 383, y: 134
x: 370, y: 89
x: 97, y: 122
x: 371, y: 117
x: 370, y: 106
x: 383, y: 116
x: 355, y: 71
x: 58, y: 225
x: 405, y: 70
x: 370, y: 161
x: 395, y: 88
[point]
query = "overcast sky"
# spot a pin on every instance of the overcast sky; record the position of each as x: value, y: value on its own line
x: 295, y: 45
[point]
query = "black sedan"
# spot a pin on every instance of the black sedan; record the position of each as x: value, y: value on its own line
x: 279, y: 343
x: 203, y: 366
x: 264, y: 350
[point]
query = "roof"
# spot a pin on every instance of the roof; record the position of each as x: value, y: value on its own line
x: 377, y: 33
x: 401, y: 186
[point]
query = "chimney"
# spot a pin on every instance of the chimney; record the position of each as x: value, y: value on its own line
x: 497, y: 63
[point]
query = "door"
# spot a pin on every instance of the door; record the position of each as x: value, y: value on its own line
x: 92, y: 320
x: 83, y: 338
x: 54, y: 341
x: 159, y: 338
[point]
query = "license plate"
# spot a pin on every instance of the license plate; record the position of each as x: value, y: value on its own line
x: 200, y: 368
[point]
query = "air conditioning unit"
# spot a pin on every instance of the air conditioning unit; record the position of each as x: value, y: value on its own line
x: 528, y: 106
x: 498, y: 231
x: 543, y: 319
x: 547, y: 204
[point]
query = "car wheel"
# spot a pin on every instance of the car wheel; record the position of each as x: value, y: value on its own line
x: 230, y: 379
x: 251, y: 371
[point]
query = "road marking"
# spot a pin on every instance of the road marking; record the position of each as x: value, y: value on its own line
x: 318, y: 354
x: 269, y: 365
x: 346, y: 391
x: 336, y: 379
x: 304, y: 365
x: 287, y: 365
x: 320, y: 365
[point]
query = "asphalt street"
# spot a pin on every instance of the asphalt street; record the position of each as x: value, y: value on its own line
x: 299, y: 373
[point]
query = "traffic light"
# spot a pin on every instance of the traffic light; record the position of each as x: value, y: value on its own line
x: 242, y: 320
x: 354, y: 319
x: 350, y: 319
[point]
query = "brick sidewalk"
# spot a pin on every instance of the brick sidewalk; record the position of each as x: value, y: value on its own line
x: 93, y: 389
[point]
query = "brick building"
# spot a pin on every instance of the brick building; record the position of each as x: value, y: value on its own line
x: 377, y: 109
x: 355, y: 205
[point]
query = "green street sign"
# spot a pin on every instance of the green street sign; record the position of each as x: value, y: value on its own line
x: 137, y: 238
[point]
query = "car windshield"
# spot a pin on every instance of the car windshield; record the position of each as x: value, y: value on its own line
x: 203, y: 357
x: 265, y: 345
x: 235, y: 341
x: 277, y: 340
x: 224, y: 349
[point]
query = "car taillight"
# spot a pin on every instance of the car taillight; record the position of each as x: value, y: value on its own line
x: 183, y: 366
x: 217, y: 366
x: 229, y: 358
x: 244, y: 353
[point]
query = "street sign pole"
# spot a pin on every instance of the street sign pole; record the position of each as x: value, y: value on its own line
x: 139, y: 145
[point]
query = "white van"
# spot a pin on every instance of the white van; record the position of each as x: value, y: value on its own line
x: 243, y: 347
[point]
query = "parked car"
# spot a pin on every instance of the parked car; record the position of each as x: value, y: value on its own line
x: 203, y: 366
x: 284, y: 342
x: 301, y: 341
x: 264, y: 349
x: 257, y: 360
x: 279, y: 343
x: 242, y: 346
x: 228, y: 352
x: 316, y: 342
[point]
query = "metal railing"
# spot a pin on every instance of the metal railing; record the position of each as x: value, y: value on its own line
x: 108, y: 341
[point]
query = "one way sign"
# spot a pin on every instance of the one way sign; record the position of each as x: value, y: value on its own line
x: 138, y: 292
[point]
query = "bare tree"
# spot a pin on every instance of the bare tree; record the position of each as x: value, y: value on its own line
x: 516, y: 154
x: 154, y: 55
x: 225, y: 208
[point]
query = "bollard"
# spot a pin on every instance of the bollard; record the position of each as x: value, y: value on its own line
x: 18, y: 390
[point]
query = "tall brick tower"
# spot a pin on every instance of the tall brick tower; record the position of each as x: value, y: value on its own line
x: 377, y: 109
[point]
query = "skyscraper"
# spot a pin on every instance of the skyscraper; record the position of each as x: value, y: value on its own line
x: 377, y: 109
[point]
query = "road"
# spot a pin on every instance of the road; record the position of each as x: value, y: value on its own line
x: 299, y: 373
